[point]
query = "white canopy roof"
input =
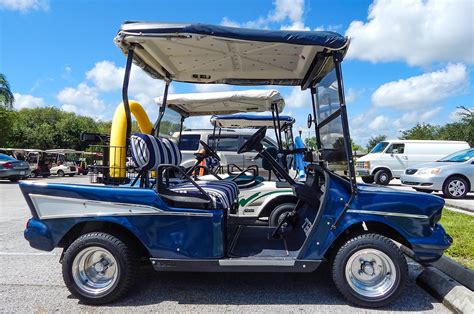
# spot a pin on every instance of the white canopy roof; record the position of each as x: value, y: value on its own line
x: 201, y: 104
x: 201, y: 53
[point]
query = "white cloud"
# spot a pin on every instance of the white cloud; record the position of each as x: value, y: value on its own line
x: 107, y: 77
x: 457, y: 114
x: 422, y: 90
x: 27, y: 101
x: 416, y: 31
x: 380, y: 122
x: 24, y: 5
x: 212, y: 88
x: 298, y: 98
x: 351, y: 95
x: 285, y: 10
x: 82, y: 99
x: 415, y: 116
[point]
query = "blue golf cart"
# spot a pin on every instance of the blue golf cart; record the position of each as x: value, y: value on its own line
x: 107, y: 231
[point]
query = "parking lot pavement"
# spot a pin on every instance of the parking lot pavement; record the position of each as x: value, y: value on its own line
x: 466, y: 203
x: 31, y: 280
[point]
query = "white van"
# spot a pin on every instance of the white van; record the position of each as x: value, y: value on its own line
x: 388, y: 159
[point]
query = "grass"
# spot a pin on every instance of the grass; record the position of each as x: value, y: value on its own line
x: 461, y: 228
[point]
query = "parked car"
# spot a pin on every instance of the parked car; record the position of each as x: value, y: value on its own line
x: 13, y: 169
x: 229, y: 142
x: 453, y: 175
x: 64, y: 169
x: 388, y: 159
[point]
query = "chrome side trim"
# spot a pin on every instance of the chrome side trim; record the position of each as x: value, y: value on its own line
x: 256, y: 262
x: 54, y: 207
x: 374, y: 212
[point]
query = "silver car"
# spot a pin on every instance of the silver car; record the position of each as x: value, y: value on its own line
x: 13, y: 169
x: 453, y: 175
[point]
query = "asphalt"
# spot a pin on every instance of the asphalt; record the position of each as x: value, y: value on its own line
x: 31, y: 280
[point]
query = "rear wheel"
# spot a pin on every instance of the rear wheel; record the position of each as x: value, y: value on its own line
x: 60, y: 173
x: 455, y: 187
x: 382, y: 177
x: 99, y: 268
x: 368, y: 180
x: 370, y: 270
x: 278, y: 212
x: 33, y: 174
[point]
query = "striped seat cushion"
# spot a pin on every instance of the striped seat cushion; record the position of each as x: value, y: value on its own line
x: 148, y: 152
x: 223, y: 193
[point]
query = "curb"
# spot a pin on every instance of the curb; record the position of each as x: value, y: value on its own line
x: 456, y: 271
x: 448, y: 203
x: 436, y: 279
x: 451, y: 293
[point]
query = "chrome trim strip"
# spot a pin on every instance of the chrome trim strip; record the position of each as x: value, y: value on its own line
x: 54, y: 207
x: 374, y: 212
x: 256, y: 262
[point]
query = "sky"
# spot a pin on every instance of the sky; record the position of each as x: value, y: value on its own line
x: 409, y: 61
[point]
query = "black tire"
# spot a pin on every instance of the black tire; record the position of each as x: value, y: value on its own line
x: 60, y: 173
x: 126, y: 261
x: 278, y: 211
x: 71, y: 174
x: 33, y: 174
x: 382, y: 177
x: 455, y: 187
x: 375, y: 243
x: 423, y: 190
x: 368, y: 180
x: 14, y: 180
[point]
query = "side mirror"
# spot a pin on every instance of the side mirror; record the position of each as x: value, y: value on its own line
x: 310, y: 120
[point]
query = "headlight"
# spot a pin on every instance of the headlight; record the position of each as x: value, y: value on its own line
x: 429, y: 171
x: 367, y: 164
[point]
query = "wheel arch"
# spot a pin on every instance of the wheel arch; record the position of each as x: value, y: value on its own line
x: 470, y: 184
x: 371, y: 226
x: 112, y: 228
x: 271, y: 204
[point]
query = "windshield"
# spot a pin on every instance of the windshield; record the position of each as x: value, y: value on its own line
x: 460, y: 156
x: 380, y: 147
x: 6, y: 158
x: 170, y: 123
x: 331, y: 131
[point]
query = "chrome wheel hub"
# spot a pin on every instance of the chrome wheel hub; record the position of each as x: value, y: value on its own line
x: 370, y: 273
x: 456, y: 188
x: 95, y: 271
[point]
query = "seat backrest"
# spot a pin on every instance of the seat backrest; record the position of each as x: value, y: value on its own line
x: 148, y: 152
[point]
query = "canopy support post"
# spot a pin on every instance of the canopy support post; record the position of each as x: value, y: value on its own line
x: 156, y: 127
x: 316, y: 128
x: 181, y: 130
x: 126, y: 80
x: 337, y: 56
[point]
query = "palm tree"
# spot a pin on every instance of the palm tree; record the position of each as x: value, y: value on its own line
x: 6, y: 96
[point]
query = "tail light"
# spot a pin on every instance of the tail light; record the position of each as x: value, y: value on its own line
x: 8, y: 165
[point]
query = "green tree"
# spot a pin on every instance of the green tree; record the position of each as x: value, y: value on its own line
x: 6, y: 122
x: 421, y: 132
x: 462, y: 130
x: 6, y: 96
x: 310, y: 142
x: 374, y: 140
x: 356, y: 147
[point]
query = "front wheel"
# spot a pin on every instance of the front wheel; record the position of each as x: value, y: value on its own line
x: 278, y: 212
x: 60, y: 173
x: 455, y: 187
x: 99, y: 268
x: 370, y: 270
x: 382, y: 177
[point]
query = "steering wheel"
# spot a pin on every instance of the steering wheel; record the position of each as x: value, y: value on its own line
x: 254, y: 142
x: 211, y: 152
